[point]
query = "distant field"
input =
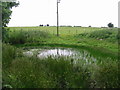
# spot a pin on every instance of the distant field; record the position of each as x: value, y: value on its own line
x: 62, y: 30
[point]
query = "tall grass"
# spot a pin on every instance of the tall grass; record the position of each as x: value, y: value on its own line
x: 110, y: 35
x: 9, y: 53
x: 25, y: 72
x: 22, y: 36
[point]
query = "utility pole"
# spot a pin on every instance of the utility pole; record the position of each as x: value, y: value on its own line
x: 58, y: 1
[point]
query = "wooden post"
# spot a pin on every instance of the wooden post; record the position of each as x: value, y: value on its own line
x: 57, y: 20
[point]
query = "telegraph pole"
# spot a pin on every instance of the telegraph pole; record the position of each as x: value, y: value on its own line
x: 58, y: 1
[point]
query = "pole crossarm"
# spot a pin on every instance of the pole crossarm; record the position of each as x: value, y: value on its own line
x: 58, y: 1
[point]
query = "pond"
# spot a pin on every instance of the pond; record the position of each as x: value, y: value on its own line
x: 58, y: 52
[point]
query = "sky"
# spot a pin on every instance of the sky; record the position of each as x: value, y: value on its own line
x: 97, y: 13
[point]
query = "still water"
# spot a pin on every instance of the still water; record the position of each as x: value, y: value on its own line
x: 66, y: 53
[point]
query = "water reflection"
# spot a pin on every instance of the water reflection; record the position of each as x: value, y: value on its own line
x: 67, y: 53
x: 55, y: 53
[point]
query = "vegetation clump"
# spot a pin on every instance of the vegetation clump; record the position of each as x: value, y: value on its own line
x: 22, y: 37
x: 108, y: 35
x: 30, y: 72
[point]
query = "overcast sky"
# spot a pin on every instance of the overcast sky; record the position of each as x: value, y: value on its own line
x: 96, y: 13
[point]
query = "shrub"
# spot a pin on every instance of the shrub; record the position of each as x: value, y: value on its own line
x: 109, y: 35
x: 100, y: 34
x: 21, y: 37
x: 107, y: 75
x: 17, y: 37
x: 9, y: 53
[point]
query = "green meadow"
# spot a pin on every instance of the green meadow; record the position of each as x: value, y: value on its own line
x: 20, y: 71
x: 83, y: 36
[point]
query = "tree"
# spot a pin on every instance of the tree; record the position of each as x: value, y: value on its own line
x: 6, y: 13
x: 47, y: 24
x: 41, y: 25
x: 110, y: 25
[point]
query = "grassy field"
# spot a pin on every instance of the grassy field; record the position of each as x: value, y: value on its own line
x: 62, y: 30
x: 24, y: 72
x: 95, y: 37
